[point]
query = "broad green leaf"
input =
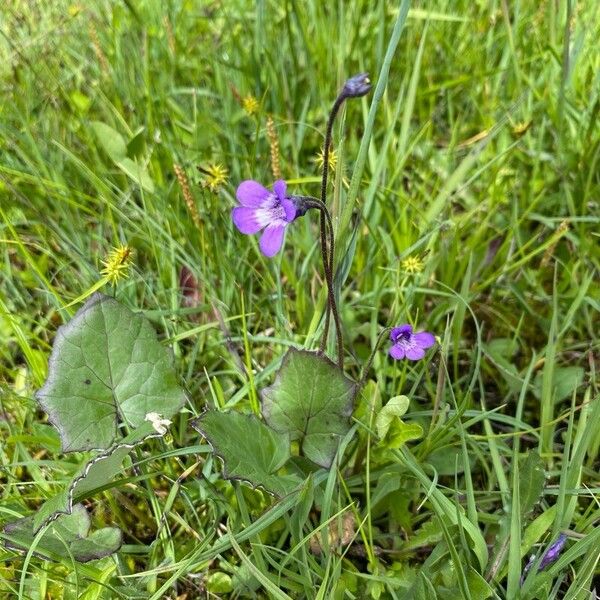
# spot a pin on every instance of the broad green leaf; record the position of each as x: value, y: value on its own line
x: 392, y: 430
x: 250, y: 450
x: 112, y: 141
x: 401, y: 432
x: 531, y: 482
x: 106, y: 368
x: 137, y: 172
x: 99, y: 543
x: 311, y: 401
x: 396, y: 407
x: 94, y: 474
x: 68, y: 533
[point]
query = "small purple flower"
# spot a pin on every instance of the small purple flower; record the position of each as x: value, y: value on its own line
x: 357, y: 86
x: 550, y: 556
x: 261, y: 209
x: 407, y: 344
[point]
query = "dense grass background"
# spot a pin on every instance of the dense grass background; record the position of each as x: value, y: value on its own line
x: 483, y: 163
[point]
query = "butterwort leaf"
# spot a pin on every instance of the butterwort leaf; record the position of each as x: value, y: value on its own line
x: 107, y: 368
x: 310, y: 400
x: 93, y: 475
x: 69, y: 535
x: 250, y: 450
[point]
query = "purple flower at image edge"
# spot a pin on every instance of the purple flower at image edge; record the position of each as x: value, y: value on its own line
x: 261, y: 209
x: 406, y: 344
x: 551, y: 555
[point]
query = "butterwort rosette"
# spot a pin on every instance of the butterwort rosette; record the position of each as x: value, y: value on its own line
x: 261, y: 210
x: 406, y: 344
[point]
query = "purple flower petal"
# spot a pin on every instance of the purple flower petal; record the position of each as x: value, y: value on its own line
x: 290, y: 209
x: 424, y: 339
x: 415, y: 353
x: 244, y: 218
x: 397, y: 352
x: 553, y: 552
x: 251, y: 193
x: 280, y: 187
x: 271, y: 239
x: 398, y: 331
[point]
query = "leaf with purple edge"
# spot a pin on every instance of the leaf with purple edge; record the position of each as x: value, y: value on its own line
x: 107, y: 368
x: 311, y: 400
x: 250, y: 450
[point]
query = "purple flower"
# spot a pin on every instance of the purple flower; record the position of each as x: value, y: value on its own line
x: 357, y: 86
x: 407, y: 344
x: 261, y: 209
x: 550, y: 556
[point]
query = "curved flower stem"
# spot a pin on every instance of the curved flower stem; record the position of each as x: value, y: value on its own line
x: 367, y: 368
x: 328, y: 263
x: 310, y: 202
x: 355, y: 87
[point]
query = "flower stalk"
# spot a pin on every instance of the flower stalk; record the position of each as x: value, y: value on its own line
x: 355, y: 87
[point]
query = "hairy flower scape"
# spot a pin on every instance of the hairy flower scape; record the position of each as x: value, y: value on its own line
x: 261, y: 209
x: 250, y: 105
x: 117, y: 263
x: 215, y: 175
x: 412, y: 264
x: 406, y: 344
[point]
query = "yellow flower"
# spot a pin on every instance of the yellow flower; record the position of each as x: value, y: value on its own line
x: 215, y: 175
x: 250, y: 105
x: 332, y: 159
x: 521, y: 127
x: 412, y: 264
x: 117, y: 263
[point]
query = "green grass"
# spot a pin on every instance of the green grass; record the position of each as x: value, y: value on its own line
x: 478, y: 152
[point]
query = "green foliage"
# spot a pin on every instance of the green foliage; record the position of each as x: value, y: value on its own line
x: 107, y: 368
x: 310, y: 401
x: 92, y: 476
x: 69, y: 535
x: 391, y: 429
x: 249, y: 449
x: 481, y: 162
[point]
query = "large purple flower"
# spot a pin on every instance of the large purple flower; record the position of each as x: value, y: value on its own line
x: 261, y: 209
x: 407, y: 344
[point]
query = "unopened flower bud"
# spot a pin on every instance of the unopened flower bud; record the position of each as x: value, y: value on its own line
x: 357, y: 86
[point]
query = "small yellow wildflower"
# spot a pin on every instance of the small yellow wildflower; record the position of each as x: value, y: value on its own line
x: 332, y: 159
x: 412, y: 264
x: 215, y: 175
x: 250, y: 105
x: 521, y: 127
x: 117, y: 263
